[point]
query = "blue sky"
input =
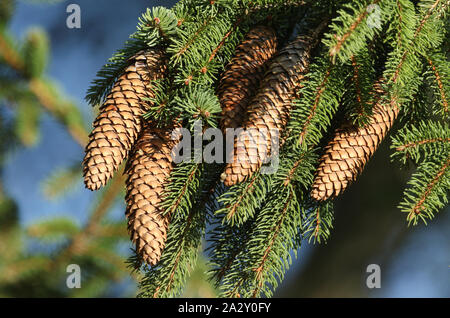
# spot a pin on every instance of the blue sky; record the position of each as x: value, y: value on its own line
x: 421, y: 268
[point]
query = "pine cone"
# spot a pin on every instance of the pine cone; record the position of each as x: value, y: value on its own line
x: 269, y: 109
x: 118, y: 123
x: 349, y: 150
x: 244, y: 73
x: 147, y: 170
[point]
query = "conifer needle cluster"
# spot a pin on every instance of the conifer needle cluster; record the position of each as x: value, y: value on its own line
x: 333, y: 78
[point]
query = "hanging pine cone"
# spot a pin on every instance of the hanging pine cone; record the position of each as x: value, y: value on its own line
x: 269, y: 109
x: 244, y: 73
x: 147, y: 170
x: 347, y: 153
x: 119, y: 120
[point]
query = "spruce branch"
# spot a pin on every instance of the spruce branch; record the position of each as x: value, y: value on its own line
x: 439, y: 77
x: 9, y: 53
x: 178, y: 47
x: 247, y: 270
x: 351, y: 30
x: 197, y: 102
x: 372, y: 72
x: 64, y: 111
x: 159, y: 104
x: 401, y: 65
x: 359, y: 106
x: 227, y: 243
x: 53, y: 229
x: 318, y: 222
x: 421, y: 142
x: 35, y: 52
x: 403, y: 23
x: 262, y: 264
x: 241, y: 201
x: 28, y: 115
x: 184, y: 182
x: 318, y: 101
x: 191, y: 55
x: 428, y: 190
x: 255, y: 270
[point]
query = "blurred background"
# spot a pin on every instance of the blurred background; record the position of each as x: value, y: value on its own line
x: 48, y: 220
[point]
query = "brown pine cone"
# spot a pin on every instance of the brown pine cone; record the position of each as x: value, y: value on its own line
x: 243, y: 74
x: 347, y: 153
x: 269, y: 110
x: 147, y: 170
x: 118, y: 123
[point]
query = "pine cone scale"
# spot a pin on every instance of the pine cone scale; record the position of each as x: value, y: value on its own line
x: 349, y: 151
x: 147, y: 170
x: 243, y: 74
x: 119, y: 121
x: 270, y: 108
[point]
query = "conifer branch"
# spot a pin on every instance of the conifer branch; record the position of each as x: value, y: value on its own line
x: 179, y: 52
x: 356, y: 80
x: 9, y: 54
x: 51, y: 104
x: 419, y: 142
x: 44, y: 94
x: 312, y: 111
x: 318, y: 101
x: 417, y: 33
x: 241, y: 201
x: 275, y: 233
x: 351, y: 30
x: 179, y: 189
x: 214, y: 52
x: 174, y: 267
x: 440, y: 69
x: 400, y: 20
x: 233, y: 207
x: 428, y: 189
x: 419, y: 206
x: 341, y: 39
x: 259, y: 222
x: 358, y: 101
x: 228, y: 243
x: 173, y: 204
x: 429, y: 13
x: 290, y: 175
x: 319, y: 221
x: 404, y: 25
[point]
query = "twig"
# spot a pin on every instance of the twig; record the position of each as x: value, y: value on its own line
x: 41, y: 91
